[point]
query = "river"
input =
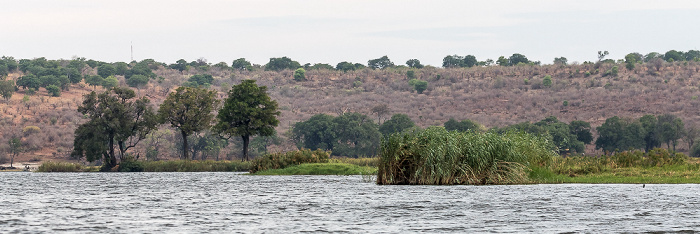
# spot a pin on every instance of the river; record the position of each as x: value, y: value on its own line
x: 232, y: 202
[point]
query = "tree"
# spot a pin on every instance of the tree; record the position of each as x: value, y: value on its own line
x: 345, y: 66
x: 94, y: 80
x: 691, y: 133
x: 315, y: 133
x: 300, y: 74
x: 602, y: 54
x: 106, y: 70
x: 462, y: 126
x: 516, y: 59
x: 652, y: 55
x: 380, y: 63
x: 110, y: 82
x: 7, y: 88
x: 670, y: 129
x: 380, y: 110
x: 469, y: 61
x: 651, y: 136
x: 357, y: 135
x: 560, y: 61
x: 117, y: 120
x: 29, y: 81
x: 502, y: 61
x: 397, y: 123
x: 15, y: 144
x: 201, y: 80
x: 53, y: 90
x: 241, y: 64
x: 137, y: 81
x: 673, y: 55
x: 414, y: 63
x: 248, y: 111
x: 279, y: 64
x: 189, y: 110
x: 451, y: 61
x: 582, y: 130
x: 179, y: 65
x: 618, y: 134
x: 692, y: 55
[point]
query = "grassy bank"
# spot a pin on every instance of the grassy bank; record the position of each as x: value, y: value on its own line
x: 321, y: 169
x: 151, y: 166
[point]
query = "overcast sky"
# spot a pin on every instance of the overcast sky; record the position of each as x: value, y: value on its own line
x: 332, y: 31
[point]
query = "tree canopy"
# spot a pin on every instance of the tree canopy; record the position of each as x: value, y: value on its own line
x: 189, y: 110
x: 248, y: 111
x: 380, y: 63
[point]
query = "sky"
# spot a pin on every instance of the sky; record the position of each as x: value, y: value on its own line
x: 333, y: 31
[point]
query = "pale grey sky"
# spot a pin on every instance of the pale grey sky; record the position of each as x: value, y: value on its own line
x: 332, y: 31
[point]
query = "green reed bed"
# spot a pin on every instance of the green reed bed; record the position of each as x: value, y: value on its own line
x: 291, y: 158
x: 436, y: 156
x: 655, y: 166
x: 364, y: 162
x: 60, y: 167
x: 194, y: 166
x: 321, y: 169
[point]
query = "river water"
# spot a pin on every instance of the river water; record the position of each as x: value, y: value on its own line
x: 231, y: 202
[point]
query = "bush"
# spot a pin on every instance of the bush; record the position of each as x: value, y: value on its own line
x: 29, y: 130
x: 436, y: 156
x: 130, y: 164
x: 300, y: 74
x: 53, y: 90
x: 283, y: 160
x: 59, y: 167
x: 547, y: 81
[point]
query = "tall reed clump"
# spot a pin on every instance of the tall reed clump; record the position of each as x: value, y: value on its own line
x: 282, y: 160
x: 582, y: 165
x: 436, y: 156
x: 59, y: 167
x: 194, y: 166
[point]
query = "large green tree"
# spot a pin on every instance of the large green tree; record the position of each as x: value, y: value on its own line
x: 397, y: 123
x: 7, y: 88
x: 380, y: 63
x: 461, y: 126
x: 117, y: 120
x: 620, y: 134
x: 279, y: 64
x: 189, y: 110
x: 248, y: 111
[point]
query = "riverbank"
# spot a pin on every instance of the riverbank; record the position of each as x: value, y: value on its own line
x: 321, y: 169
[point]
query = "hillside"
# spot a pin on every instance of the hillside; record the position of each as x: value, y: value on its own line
x: 494, y: 96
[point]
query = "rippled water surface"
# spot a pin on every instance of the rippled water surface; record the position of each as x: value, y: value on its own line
x: 229, y: 202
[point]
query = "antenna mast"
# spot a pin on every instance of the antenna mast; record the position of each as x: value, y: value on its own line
x: 132, y: 51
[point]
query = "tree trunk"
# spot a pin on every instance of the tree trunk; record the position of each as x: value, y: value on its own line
x: 185, y: 149
x: 12, y: 159
x: 246, y: 140
x: 112, y: 158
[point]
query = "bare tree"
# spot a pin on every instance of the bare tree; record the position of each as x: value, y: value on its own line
x: 381, y: 111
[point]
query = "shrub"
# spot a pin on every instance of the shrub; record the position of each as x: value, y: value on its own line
x: 547, y: 81
x: 410, y: 74
x: 282, y: 160
x: 53, y: 90
x: 300, y: 74
x: 130, y: 164
x: 29, y: 130
x: 59, y: 167
x: 437, y: 156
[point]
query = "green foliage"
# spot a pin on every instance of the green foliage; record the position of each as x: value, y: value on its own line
x: 617, y: 134
x: 397, y: 123
x: 189, y: 110
x: 279, y: 64
x: 29, y: 81
x: 380, y: 63
x: 7, y: 88
x: 351, y: 134
x: 179, y: 65
x: 414, y: 63
x: 130, y: 164
x: 561, y: 61
x: 283, y: 160
x: 51, y: 166
x: 241, y: 64
x: 345, y: 66
x: 547, y: 81
x: 94, y: 80
x: 437, y: 156
x: 567, y: 137
x: 418, y: 85
x: 137, y: 81
x: 248, y: 111
x: 53, y: 90
x: 411, y: 74
x: 110, y: 82
x: 461, y: 126
x: 300, y: 74
x: 516, y: 59
x: 117, y: 120
x: 201, y: 80
x: 195, y: 166
x: 320, y: 169
x: 673, y: 55
x: 106, y: 70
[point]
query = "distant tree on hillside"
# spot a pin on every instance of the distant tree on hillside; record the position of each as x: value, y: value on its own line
x: 180, y: 65
x: 380, y: 63
x: 345, y: 66
x: 241, y: 64
x: 414, y: 63
x: 106, y: 70
x: 7, y: 88
x: 461, y: 126
x: 278, y: 64
x: 560, y: 61
x: 673, y: 55
x: 110, y: 82
x: 201, y: 80
x: 516, y: 59
x: 617, y: 134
